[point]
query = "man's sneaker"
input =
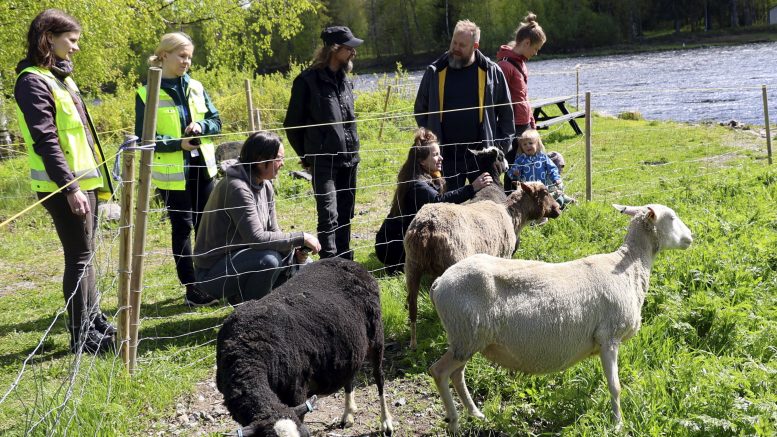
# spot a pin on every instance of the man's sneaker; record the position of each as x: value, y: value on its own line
x: 102, y: 325
x: 92, y: 343
x: 196, y: 298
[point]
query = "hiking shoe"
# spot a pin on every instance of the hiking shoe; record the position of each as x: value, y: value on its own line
x: 92, y: 343
x: 102, y: 325
x: 197, y: 298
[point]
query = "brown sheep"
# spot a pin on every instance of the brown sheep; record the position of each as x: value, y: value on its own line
x: 442, y: 234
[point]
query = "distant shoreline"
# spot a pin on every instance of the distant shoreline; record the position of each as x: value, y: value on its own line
x: 656, y: 43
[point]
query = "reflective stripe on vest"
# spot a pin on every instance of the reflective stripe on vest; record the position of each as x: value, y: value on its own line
x: 70, y: 132
x: 168, y: 171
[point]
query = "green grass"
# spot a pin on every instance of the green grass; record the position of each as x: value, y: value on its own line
x: 704, y: 363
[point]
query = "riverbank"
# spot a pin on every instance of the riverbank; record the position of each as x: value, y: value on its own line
x: 656, y: 42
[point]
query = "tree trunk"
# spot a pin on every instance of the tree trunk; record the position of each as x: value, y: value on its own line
x: 734, y: 14
x: 374, y: 30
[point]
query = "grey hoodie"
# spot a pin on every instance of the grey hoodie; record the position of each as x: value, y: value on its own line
x: 240, y: 214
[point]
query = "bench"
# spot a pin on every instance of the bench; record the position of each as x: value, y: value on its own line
x: 560, y: 119
x: 543, y: 120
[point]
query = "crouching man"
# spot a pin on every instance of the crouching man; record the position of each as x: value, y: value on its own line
x: 241, y: 252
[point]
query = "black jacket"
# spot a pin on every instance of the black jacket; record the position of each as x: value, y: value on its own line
x: 388, y: 240
x: 319, y: 96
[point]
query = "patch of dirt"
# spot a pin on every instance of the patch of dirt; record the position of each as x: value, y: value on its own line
x: 413, y: 403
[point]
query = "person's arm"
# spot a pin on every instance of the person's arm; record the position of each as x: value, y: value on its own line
x: 421, y: 106
x: 39, y: 111
x: 296, y: 115
x: 505, y: 118
x: 211, y: 124
x: 164, y: 143
x: 422, y: 193
x: 251, y: 221
x: 552, y: 170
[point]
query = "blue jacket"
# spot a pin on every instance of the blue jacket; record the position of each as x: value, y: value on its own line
x: 534, y: 168
x: 497, y: 125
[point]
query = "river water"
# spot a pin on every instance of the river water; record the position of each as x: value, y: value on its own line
x: 716, y: 83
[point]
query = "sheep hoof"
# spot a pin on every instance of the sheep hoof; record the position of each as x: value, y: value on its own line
x: 478, y: 414
x: 388, y: 427
x: 453, y: 425
x: 347, y: 421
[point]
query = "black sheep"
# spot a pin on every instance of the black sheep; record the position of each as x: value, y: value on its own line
x: 308, y: 337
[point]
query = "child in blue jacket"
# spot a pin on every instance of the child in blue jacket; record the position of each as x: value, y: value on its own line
x: 532, y: 164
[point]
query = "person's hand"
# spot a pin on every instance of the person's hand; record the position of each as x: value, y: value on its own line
x: 186, y: 145
x: 311, y: 242
x: 193, y: 128
x: 305, y: 165
x: 482, y: 181
x: 79, y: 205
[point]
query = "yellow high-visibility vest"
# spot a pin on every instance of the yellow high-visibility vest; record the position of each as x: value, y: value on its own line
x: 72, y: 139
x: 167, y: 171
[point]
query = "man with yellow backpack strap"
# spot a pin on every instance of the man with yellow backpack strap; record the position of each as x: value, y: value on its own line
x: 184, y: 155
x: 67, y: 166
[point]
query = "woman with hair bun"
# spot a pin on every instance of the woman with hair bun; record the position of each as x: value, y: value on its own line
x: 184, y: 163
x: 419, y: 182
x: 529, y: 39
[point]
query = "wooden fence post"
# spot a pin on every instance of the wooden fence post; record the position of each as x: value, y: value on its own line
x: 141, y: 210
x: 385, y: 107
x: 766, y: 124
x: 250, y: 104
x: 258, y: 118
x: 588, y: 146
x: 125, y: 250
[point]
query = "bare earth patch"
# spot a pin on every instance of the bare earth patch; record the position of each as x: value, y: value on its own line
x: 413, y: 403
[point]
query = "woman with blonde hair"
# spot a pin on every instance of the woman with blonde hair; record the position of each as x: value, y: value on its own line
x: 419, y: 182
x: 184, y: 159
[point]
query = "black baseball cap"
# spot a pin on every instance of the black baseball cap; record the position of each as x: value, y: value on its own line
x: 340, y: 35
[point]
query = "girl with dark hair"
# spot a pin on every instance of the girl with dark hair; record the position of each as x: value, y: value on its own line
x: 240, y: 251
x: 419, y: 182
x: 67, y: 166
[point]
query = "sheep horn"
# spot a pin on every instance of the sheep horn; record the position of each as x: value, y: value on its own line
x: 628, y: 210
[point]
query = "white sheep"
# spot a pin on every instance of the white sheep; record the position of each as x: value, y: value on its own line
x: 442, y: 234
x: 539, y: 317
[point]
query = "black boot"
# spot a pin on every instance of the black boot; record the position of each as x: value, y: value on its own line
x: 102, y: 325
x: 92, y: 342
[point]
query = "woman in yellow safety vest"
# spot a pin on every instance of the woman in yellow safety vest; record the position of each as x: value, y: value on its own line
x: 67, y: 167
x: 184, y: 156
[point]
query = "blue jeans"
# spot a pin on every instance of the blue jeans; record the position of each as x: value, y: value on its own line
x: 244, y: 275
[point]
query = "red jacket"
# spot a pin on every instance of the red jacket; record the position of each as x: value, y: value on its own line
x: 517, y: 76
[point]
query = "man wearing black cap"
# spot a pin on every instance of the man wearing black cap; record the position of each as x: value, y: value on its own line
x: 320, y: 122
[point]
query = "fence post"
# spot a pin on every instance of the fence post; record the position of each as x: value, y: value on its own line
x: 125, y: 250
x: 588, y: 146
x: 766, y: 123
x: 385, y: 107
x: 141, y: 210
x: 250, y: 104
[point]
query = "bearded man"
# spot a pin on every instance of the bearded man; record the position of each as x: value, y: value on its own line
x: 321, y: 128
x: 464, y: 99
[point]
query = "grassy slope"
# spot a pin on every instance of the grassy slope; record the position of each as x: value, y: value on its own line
x: 704, y: 362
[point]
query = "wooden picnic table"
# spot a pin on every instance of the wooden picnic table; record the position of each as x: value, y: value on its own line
x: 543, y: 120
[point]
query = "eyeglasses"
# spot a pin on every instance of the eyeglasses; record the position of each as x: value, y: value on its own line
x: 350, y: 49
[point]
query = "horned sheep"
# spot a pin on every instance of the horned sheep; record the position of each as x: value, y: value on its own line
x: 539, y: 317
x: 308, y: 337
x: 441, y: 234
